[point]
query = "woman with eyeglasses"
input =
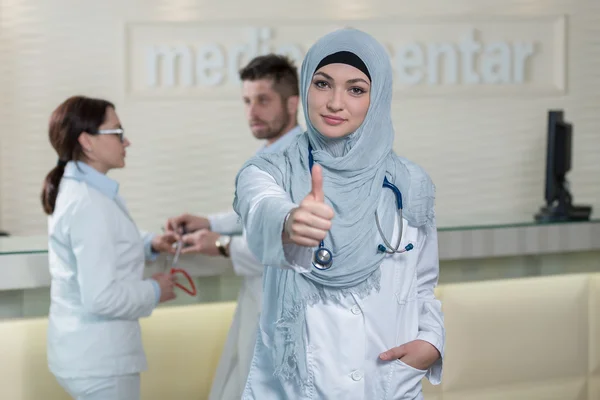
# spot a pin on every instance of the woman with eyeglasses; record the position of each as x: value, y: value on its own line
x: 97, y: 257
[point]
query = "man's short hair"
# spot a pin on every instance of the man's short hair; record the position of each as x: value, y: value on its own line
x: 280, y: 69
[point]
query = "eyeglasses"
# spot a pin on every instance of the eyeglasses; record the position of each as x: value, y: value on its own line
x: 118, y: 131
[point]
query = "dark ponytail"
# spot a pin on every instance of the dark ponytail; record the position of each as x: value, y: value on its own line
x: 50, y: 190
x: 75, y: 115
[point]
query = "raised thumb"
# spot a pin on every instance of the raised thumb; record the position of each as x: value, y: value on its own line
x: 317, y: 183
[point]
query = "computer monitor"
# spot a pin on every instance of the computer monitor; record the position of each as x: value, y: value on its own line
x: 558, y: 155
x: 559, y: 206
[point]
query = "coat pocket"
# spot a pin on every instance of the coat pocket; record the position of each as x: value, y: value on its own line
x: 404, y: 382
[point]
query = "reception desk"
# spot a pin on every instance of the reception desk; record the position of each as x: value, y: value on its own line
x: 510, y: 353
x: 467, y: 253
x: 508, y: 339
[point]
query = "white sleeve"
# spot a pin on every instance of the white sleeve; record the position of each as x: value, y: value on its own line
x: 95, y: 249
x: 431, y: 319
x: 148, y: 252
x: 244, y: 262
x: 259, y: 194
x: 228, y: 223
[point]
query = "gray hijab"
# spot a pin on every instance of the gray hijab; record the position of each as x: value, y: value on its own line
x: 354, y: 168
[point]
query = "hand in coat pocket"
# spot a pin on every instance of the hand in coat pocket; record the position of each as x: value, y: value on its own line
x: 418, y: 354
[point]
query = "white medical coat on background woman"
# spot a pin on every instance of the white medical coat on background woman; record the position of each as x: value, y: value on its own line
x: 97, y: 258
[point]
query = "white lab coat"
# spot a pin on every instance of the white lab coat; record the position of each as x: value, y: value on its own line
x: 232, y: 371
x: 97, y: 258
x: 345, y: 340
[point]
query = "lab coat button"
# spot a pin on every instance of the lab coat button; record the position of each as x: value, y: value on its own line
x: 355, y: 310
x: 357, y: 375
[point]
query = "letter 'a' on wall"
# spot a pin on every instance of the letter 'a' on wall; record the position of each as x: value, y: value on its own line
x: 432, y: 57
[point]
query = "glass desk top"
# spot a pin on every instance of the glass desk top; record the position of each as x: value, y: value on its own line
x: 38, y: 244
x: 23, y: 245
x: 496, y: 223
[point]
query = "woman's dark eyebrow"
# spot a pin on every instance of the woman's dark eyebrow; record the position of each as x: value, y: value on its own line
x: 324, y: 75
x: 350, y: 81
x: 357, y: 80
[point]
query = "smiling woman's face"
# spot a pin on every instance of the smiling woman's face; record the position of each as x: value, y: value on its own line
x: 338, y: 99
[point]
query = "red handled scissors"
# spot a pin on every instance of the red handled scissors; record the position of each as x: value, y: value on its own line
x: 173, y: 271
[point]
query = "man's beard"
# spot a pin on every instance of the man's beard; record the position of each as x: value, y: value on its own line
x: 273, y: 130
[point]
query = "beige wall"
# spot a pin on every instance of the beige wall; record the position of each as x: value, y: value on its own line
x: 482, y: 143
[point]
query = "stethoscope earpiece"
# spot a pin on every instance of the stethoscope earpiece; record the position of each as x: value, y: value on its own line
x: 383, y: 249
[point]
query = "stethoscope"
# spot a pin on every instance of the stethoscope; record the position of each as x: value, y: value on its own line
x: 323, y: 258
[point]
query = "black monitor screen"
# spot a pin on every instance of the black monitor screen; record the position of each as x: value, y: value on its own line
x: 559, y: 201
x: 558, y: 157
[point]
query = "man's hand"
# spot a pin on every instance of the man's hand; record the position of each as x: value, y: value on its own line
x: 418, y: 354
x: 164, y: 243
x: 202, y: 241
x: 191, y: 223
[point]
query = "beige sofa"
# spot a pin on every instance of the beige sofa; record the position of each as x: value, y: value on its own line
x: 522, y: 339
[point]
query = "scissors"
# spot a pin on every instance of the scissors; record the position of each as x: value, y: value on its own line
x: 171, y: 269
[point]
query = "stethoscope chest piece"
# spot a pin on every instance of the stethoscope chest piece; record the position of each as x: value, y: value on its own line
x: 322, y: 258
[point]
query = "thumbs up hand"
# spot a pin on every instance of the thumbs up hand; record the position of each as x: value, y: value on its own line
x: 309, y: 223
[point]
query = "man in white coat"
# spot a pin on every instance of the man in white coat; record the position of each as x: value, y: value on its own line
x: 271, y: 98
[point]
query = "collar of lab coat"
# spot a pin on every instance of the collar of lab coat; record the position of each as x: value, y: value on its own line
x: 80, y: 171
x: 283, y: 141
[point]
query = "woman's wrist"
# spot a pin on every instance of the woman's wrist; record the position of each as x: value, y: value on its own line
x: 285, y: 236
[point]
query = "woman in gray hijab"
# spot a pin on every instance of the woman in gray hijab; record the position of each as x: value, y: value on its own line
x: 346, y: 230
